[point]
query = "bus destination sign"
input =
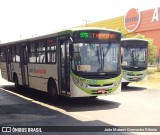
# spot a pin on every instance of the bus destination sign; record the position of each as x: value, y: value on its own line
x: 103, y: 36
x: 97, y: 35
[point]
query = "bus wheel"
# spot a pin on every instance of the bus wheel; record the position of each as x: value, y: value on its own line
x: 124, y: 84
x: 52, y: 90
x: 93, y: 97
x: 16, y: 82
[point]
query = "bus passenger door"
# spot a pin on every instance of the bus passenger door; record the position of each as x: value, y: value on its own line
x: 64, y: 74
x: 24, y: 65
x: 8, y: 60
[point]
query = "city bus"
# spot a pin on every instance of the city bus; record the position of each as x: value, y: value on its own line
x: 79, y: 62
x: 133, y: 60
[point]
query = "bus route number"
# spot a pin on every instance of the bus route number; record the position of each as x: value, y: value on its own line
x: 84, y: 35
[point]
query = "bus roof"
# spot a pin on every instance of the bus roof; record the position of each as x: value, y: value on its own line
x: 59, y: 33
x: 133, y: 39
x: 93, y: 28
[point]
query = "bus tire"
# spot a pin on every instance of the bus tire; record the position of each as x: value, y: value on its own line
x: 93, y: 97
x: 15, y: 78
x: 124, y: 84
x: 52, y: 90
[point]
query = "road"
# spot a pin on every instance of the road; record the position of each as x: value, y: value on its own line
x: 134, y: 106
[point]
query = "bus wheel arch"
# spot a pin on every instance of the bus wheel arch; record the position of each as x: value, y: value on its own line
x: 52, y: 89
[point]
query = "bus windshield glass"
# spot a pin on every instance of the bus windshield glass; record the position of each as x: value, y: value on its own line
x: 96, y: 58
x: 134, y: 57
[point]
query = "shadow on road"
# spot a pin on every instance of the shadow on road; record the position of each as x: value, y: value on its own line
x: 133, y: 88
x: 68, y: 104
x: 16, y: 111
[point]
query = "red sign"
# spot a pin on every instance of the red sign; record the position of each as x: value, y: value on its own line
x: 132, y: 20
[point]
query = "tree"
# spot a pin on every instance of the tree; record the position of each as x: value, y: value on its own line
x: 151, y: 49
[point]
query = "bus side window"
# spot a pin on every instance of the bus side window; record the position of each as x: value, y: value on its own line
x: 51, y: 50
x: 17, y: 55
x: 41, y: 52
x: 51, y: 57
x: 32, y: 53
x: 13, y: 53
x: 3, y: 56
x: 32, y: 57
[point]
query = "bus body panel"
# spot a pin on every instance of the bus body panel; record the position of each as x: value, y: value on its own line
x: 76, y: 91
x: 118, y: 88
x: 20, y: 79
x: 4, y: 70
x: 79, y: 92
x: 94, y: 87
x: 134, y: 76
x: 39, y: 75
x: 16, y: 68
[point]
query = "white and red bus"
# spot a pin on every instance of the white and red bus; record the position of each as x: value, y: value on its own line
x: 75, y: 63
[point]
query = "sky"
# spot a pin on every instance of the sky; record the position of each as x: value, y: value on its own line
x: 21, y: 19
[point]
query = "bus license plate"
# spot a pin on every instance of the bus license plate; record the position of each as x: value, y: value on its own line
x: 102, y: 91
x: 135, y: 78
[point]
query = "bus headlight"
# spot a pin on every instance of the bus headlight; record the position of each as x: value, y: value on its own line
x: 81, y: 84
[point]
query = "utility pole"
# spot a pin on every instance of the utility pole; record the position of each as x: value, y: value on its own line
x: 20, y: 36
x: 86, y: 22
x: 34, y: 35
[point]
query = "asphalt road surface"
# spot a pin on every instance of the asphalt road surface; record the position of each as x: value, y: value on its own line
x: 134, y: 106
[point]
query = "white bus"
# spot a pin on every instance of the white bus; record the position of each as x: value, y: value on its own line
x: 78, y: 62
x: 134, y: 60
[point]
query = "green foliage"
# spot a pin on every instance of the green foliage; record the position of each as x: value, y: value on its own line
x: 151, y: 49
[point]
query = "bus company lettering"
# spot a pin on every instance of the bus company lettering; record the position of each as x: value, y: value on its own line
x: 132, y: 20
x: 41, y: 71
x: 102, y: 36
x: 38, y: 71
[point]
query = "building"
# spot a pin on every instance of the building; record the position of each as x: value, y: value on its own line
x: 136, y: 22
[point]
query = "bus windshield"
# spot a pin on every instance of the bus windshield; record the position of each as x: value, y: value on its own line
x: 96, y: 58
x: 134, y: 57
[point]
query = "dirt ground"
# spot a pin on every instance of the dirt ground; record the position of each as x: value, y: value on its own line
x: 152, y: 82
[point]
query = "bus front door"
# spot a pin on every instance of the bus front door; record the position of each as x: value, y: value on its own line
x: 64, y: 76
x: 24, y: 65
x: 8, y: 60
